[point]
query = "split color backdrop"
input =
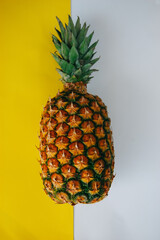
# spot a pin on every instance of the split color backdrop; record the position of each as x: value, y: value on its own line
x: 128, y: 82
x: 27, y: 78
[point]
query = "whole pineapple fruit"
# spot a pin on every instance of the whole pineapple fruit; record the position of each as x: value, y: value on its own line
x: 76, y: 147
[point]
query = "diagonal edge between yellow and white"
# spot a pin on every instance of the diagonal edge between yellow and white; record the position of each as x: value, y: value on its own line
x: 28, y: 77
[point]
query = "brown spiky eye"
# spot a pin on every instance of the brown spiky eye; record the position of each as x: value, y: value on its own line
x: 73, y: 186
x: 99, y: 166
x: 75, y: 134
x: 80, y: 162
x: 53, y: 164
x: 87, y: 175
x: 68, y: 171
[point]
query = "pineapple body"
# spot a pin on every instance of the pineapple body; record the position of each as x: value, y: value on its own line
x: 76, y: 147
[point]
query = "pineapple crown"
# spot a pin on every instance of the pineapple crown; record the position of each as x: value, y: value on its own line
x: 75, y: 54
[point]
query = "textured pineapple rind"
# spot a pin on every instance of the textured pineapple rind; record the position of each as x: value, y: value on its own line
x: 99, y: 184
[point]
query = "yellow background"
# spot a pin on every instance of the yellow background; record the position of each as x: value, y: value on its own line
x: 28, y: 77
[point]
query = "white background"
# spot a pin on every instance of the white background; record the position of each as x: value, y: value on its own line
x: 128, y: 81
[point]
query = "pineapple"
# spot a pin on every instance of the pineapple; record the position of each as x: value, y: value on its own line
x: 76, y: 146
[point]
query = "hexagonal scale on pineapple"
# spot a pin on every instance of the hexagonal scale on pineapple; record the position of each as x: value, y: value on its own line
x: 61, y: 116
x: 75, y: 134
x: 72, y: 108
x: 93, y: 153
x: 43, y: 131
x: 73, y: 186
x: 52, y: 110
x: 62, y: 197
x: 43, y: 155
x: 95, y: 107
x: 81, y: 199
x: 62, y: 142
x: 57, y: 180
x: 104, y: 113
x: 80, y: 162
x: 62, y: 129
x: 51, y: 150
x: 76, y: 148
x: 48, y: 185
x: 68, y: 171
x: 53, y: 165
x: 97, y: 118
x: 89, y: 140
x: 107, y: 124
x: 100, y: 133
x: 74, y: 121
x: 100, y: 102
x: 73, y: 96
x: 61, y: 103
x: 99, y: 166
x: 86, y: 113
x: 44, y: 170
x: 95, y: 187
x: 87, y: 175
x: 51, y: 124
x: 102, y: 143
x: 88, y: 126
x: 107, y: 156
x: 107, y: 174
x: 63, y: 156
x: 45, y: 118
x: 51, y: 136
x: 83, y: 101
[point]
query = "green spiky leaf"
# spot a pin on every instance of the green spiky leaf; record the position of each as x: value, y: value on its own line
x: 71, y: 26
x: 73, y: 55
x: 69, y: 37
x: 83, y: 46
x: 82, y: 33
x: 94, y: 60
x: 88, y: 73
x: 64, y: 75
x: 78, y: 26
x: 74, y: 41
x: 62, y: 29
x: 72, y: 79
x: 91, y: 71
x: 66, y: 35
x: 66, y: 67
x: 77, y: 64
x: 56, y: 57
x: 65, y: 51
x: 93, y: 55
x: 85, y: 77
x: 86, y: 67
x: 59, y: 33
x: 55, y: 39
x: 85, y: 43
x: 90, y: 51
x: 78, y: 72
x: 56, y: 43
x: 89, y: 38
x: 93, y: 45
x: 89, y: 78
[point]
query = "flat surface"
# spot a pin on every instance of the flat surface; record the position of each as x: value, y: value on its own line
x: 128, y: 81
x: 28, y: 77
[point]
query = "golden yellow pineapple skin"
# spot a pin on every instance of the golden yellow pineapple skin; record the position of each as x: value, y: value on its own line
x: 76, y: 147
